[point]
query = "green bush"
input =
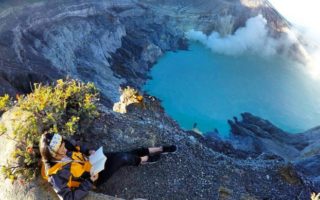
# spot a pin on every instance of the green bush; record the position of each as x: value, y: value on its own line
x: 5, y: 103
x: 67, y: 108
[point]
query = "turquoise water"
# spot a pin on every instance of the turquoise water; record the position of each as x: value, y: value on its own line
x: 207, y: 88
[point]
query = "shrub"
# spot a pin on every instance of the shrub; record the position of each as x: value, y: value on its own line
x: 128, y: 96
x: 5, y: 103
x: 66, y: 108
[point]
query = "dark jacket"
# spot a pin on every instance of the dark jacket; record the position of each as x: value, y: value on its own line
x: 60, y: 180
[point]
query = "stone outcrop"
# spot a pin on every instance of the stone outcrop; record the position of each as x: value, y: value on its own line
x: 253, y: 134
x: 259, y: 138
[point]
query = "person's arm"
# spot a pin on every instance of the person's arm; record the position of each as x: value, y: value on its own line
x: 59, y: 183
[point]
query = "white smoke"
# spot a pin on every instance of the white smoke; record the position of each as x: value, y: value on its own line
x: 251, y: 39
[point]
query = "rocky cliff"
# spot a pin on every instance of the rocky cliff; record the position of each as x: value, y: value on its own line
x: 108, y: 42
x: 114, y: 43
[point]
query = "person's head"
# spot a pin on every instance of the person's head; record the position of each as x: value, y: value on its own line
x: 52, y: 147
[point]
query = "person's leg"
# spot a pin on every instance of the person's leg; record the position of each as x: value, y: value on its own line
x: 154, y: 150
x: 140, y: 152
x: 133, y: 158
x: 114, y: 162
x: 146, y: 151
x: 152, y: 154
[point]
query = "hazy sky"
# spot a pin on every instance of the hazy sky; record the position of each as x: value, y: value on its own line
x: 303, y: 13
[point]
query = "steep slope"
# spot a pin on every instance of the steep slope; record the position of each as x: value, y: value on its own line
x: 108, y: 42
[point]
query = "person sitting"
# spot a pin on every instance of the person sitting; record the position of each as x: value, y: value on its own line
x: 67, y: 168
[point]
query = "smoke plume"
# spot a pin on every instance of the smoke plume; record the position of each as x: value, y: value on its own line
x: 251, y: 39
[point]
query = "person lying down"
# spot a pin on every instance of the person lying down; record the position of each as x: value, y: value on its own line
x: 67, y: 167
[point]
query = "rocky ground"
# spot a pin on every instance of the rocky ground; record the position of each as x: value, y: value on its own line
x: 114, y: 43
x: 200, y: 169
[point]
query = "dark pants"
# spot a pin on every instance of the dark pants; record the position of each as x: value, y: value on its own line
x: 116, y: 160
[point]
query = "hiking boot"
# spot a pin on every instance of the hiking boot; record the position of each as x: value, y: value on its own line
x: 169, y: 149
x: 152, y: 159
